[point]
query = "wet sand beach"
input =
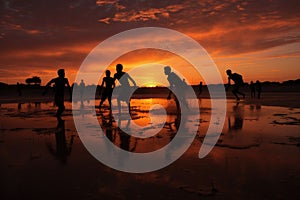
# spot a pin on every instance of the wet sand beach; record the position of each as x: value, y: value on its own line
x: 256, y: 157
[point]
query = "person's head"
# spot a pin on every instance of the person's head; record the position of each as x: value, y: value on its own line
x: 119, y: 67
x: 61, y: 73
x: 81, y: 80
x: 251, y: 82
x: 228, y: 72
x: 107, y: 72
x: 167, y: 70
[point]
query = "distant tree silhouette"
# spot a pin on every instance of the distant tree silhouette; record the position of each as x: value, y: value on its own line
x: 3, y: 84
x: 34, y: 80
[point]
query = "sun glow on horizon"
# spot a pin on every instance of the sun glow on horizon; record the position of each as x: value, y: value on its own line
x: 150, y: 85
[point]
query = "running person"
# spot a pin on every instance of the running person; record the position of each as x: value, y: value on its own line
x: 238, y: 82
x: 60, y: 83
x: 107, y: 92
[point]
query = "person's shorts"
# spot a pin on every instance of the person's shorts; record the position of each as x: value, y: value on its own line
x: 106, y: 94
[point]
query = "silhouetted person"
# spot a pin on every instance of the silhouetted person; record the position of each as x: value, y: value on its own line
x: 258, y: 88
x: 19, y: 89
x: 125, y: 89
x: 60, y: 83
x: 238, y: 82
x: 81, y: 89
x: 200, y: 87
x: 177, y: 85
x: 107, y: 92
x: 252, y: 89
x: 19, y: 106
x: 62, y: 149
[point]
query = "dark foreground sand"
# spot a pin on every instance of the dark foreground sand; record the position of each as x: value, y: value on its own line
x: 257, y: 155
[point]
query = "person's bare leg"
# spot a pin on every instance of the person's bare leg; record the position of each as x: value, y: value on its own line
x: 101, y: 102
x: 109, y: 102
x: 236, y: 96
x: 241, y: 94
x: 60, y: 110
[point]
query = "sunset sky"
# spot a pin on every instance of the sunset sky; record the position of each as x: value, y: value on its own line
x: 258, y: 39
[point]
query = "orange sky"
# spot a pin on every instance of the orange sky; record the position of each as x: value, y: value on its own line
x: 258, y: 39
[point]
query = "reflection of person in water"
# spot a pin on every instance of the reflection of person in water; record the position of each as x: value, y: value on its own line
x: 180, y: 123
x: 176, y: 85
x: 60, y: 83
x: 126, y: 138
x: 19, y: 106
x: 62, y: 150
x: 125, y: 89
x: 238, y: 118
x: 81, y: 88
x: 107, y: 126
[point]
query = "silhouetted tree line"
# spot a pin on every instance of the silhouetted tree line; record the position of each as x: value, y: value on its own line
x: 34, y: 80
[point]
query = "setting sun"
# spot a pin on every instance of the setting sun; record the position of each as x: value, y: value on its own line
x: 151, y: 85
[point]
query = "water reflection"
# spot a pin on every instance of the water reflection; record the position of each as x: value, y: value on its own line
x: 116, y: 128
x: 37, y: 106
x: 117, y: 133
x: 107, y: 125
x: 62, y: 148
x: 19, y: 106
x: 238, y: 118
x: 125, y: 139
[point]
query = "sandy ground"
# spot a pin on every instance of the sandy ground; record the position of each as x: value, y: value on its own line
x: 257, y: 155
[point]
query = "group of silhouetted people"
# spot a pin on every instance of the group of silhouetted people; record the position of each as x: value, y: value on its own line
x: 125, y: 88
x: 60, y: 82
x: 177, y: 85
x: 255, y: 89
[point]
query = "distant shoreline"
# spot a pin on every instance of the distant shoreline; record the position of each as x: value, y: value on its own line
x: 286, y: 94
x: 282, y: 99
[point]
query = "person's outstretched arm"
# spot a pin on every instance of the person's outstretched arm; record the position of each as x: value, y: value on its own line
x: 131, y: 79
x: 115, y: 78
x: 47, y: 87
x: 101, y: 86
x: 114, y: 84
